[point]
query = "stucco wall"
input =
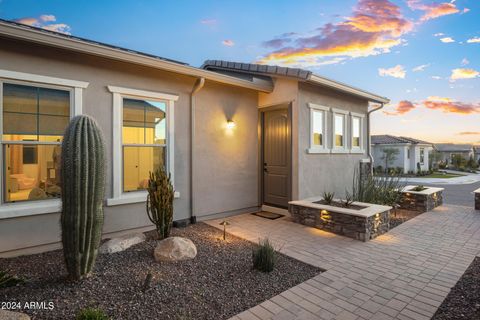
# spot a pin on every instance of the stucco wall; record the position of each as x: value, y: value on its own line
x: 97, y: 102
x: 325, y: 172
x: 226, y: 160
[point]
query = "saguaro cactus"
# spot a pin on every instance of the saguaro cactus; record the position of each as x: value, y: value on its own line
x: 83, y: 188
x: 160, y: 202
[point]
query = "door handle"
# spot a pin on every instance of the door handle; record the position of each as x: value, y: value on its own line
x: 265, y: 170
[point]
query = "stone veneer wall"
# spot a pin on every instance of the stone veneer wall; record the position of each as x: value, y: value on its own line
x: 477, y: 200
x: 421, y: 202
x: 360, y: 228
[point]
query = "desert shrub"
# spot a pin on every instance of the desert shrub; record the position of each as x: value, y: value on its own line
x: 92, y: 314
x: 418, y: 188
x: 264, y: 256
x: 379, y: 190
x: 348, y: 199
x: 328, y: 197
x: 7, y: 280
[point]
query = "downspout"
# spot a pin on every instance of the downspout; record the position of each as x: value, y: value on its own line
x: 369, y: 144
x: 196, y: 88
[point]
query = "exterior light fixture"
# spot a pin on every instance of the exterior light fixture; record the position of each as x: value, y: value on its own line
x: 224, y: 223
x: 230, y: 124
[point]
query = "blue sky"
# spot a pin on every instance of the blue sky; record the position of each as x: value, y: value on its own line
x: 437, y: 102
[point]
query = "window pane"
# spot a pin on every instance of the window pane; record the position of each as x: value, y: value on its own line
x: 138, y: 162
x: 30, y: 111
x: 32, y: 172
x: 144, y: 122
x: 318, y: 128
x: 156, y: 122
x: 339, y: 121
x: 356, y: 132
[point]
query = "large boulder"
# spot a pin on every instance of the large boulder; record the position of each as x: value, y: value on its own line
x: 175, y: 249
x: 121, y: 243
x: 11, y: 315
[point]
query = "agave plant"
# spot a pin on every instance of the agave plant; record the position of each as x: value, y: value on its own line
x: 328, y: 197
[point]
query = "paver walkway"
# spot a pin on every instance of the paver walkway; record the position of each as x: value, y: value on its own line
x: 404, y: 274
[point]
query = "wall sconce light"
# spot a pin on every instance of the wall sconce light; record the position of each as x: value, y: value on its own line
x: 230, y: 124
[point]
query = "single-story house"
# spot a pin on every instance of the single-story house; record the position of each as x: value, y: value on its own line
x: 412, y: 153
x: 477, y: 153
x: 235, y: 137
x: 447, y: 151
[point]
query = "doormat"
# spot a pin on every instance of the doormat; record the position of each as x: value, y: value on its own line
x: 268, y: 215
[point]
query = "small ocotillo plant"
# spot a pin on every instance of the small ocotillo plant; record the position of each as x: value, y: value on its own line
x: 264, y: 256
x: 83, y: 188
x: 160, y: 202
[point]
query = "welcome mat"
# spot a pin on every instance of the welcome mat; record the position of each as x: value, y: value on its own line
x: 268, y: 215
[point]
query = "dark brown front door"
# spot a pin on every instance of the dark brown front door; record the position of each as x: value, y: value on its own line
x: 276, y: 158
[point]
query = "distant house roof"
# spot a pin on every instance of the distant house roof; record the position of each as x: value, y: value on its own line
x: 389, y: 139
x: 451, y: 147
x: 297, y: 73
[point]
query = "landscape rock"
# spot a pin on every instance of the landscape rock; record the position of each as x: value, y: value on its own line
x: 175, y: 249
x: 121, y: 243
x: 11, y: 315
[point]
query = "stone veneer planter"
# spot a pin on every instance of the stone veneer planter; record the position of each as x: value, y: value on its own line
x: 477, y: 199
x: 363, y: 224
x: 421, y: 201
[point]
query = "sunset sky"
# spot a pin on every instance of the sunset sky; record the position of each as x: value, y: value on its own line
x: 423, y: 55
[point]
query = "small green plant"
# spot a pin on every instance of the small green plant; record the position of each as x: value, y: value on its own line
x: 418, y: 188
x: 348, y: 199
x: 328, y: 197
x: 160, y: 202
x: 92, y: 314
x: 264, y: 256
x: 7, y: 280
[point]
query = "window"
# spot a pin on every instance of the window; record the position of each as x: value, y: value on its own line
x: 34, y: 119
x: 339, y: 138
x: 35, y: 111
x: 318, y: 128
x: 408, y: 153
x: 355, y: 132
x: 422, y: 155
x: 142, y: 141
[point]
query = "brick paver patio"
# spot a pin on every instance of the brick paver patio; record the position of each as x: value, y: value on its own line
x: 404, y: 274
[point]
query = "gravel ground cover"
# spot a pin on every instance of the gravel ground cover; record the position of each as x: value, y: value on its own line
x: 463, y: 301
x: 217, y: 284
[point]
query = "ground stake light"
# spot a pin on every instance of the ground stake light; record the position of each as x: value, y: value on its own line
x: 224, y: 223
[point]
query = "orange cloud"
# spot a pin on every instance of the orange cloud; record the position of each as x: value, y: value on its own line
x: 397, y: 72
x: 402, y: 107
x: 467, y: 133
x: 462, y: 73
x: 447, y: 105
x: 228, y: 43
x: 433, y: 10
x: 374, y: 28
x: 45, y: 22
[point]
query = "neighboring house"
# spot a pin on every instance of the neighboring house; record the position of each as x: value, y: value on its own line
x: 477, y: 153
x: 411, y: 152
x: 448, y: 150
x: 235, y: 137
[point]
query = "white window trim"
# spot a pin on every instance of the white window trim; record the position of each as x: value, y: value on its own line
x: 345, y: 148
x: 29, y: 208
x: 360, y: 149
x: 314, y: 148
x: 119, y: 197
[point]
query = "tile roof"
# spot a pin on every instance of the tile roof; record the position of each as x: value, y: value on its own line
x: 445, y: 147
x: 389, y: 139
x: 257, y: 68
